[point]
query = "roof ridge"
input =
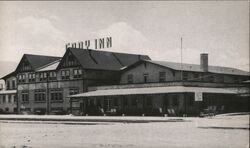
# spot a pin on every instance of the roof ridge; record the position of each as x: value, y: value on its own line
x: 41, y: 55
x: 107, y: 51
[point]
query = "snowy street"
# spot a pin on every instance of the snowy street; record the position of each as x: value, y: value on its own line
x: 218, y: 131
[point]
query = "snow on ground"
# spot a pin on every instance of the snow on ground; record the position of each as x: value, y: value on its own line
x: 198, y: 133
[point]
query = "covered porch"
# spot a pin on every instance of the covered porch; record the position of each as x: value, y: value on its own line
x: 171, y: 101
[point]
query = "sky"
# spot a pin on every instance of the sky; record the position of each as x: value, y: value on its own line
x: 219, y: 28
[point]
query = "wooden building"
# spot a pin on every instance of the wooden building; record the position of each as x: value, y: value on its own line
x: 45, y: 82
x: 159, y: 87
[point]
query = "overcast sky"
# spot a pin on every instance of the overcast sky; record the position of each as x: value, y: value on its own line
x: 218, y: 28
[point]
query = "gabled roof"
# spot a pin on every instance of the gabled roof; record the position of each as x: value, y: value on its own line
x: 197, y: 68
x: 38, y: 61
x: 105, y: 60
x: 9, y: 75
x: 193, y: 67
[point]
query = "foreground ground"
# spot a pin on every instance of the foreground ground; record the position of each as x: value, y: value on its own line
x: 148, y: 132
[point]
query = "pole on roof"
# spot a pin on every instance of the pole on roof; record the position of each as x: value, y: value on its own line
x: 181, y: 61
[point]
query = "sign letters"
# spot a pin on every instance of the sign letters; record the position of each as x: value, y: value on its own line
x: 95, y: 44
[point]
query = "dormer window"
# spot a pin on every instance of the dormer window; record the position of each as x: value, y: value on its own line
x: 21, y: 78
x: 32, y: 77
x: 77, y: 73
x: 65, y: 74
x: 43, y: 76
x: 52, y: 76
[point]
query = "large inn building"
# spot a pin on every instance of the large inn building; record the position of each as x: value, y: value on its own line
x: 93, y: 82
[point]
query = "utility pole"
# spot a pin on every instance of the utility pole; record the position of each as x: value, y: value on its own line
x: 181, y: 62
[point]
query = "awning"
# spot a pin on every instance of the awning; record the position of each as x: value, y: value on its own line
x: 153, y: 90
x: 3, y: 92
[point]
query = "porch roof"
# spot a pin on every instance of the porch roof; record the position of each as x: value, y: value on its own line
x: 152, y: 90
x: 3, y: 92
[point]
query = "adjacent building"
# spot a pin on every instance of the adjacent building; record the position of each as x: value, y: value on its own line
x: 45, y: 82
x: 8, y: 99
x: 159, y: 87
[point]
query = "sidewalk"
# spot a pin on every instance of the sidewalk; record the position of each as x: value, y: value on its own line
x: 64, y: 118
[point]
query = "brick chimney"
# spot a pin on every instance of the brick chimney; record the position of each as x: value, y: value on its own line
x: 204, y: 62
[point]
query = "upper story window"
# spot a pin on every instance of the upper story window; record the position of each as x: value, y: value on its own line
x: 130, y: 79
x: 65, y: 74
x: 8, y: 85
x: 52, y: 76
x: 13, y: 84
x: 70, y: 60
x: 25, y: 66
x: 21, y: 78
x: 1, y: 86
x: 196, y: 77
x: 162, y: 76
x: 77, y: 73
x: 73, y: 91
x: 145, y: 77
x: 4, y: 98
x: 9, y: 99
x: 185, y: 76
x: 43, y: 76
x: 211, y: 78
x: 32, y: 77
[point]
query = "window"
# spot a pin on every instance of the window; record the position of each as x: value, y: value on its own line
x: 71, y: 60
x: 8, y: 85
x: 40, y: 95
x: 130, y: 79
x: 15, y: 99
x: 43, y: 76
x: 65, y: 74
x: 52, y: 76
x: 73, y: 91
x: 77, y: 73
x: 25, y: 97
x: 56, y: 95
x: 9, y: 98
x: 185, y: 76
x: 196, y: 77
x: 211, y: 78
x: 145, y: 77
x: 32, y: 77
x: 4, y: 99
x: 6, y: 109
x: 13, y: 84
x: 21, y: 78
x: 221, y: 78
x: 162, y: 76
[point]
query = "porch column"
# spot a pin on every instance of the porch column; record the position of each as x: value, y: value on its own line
x: 70, y: 101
